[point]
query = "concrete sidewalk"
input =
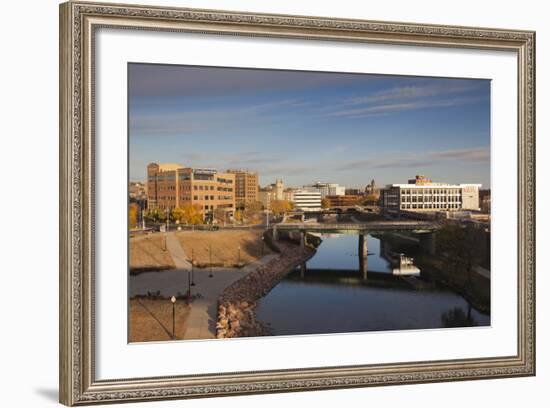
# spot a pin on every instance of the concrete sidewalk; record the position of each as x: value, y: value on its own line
x: 202, y: 318
x: 176, y: 251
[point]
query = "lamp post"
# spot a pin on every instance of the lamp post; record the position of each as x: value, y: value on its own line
x: 210, y: 276
x: 239, y: 256
x: 263, y: 244
x: 173, y: 300
x: 192, y: 267
x: 267, y: 212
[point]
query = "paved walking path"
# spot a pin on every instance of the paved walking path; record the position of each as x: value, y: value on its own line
x: 201, y: 321
x: 176, y: 251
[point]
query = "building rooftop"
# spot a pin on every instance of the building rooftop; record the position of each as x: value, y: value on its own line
x: 169, y: 166
x: 435, y: 185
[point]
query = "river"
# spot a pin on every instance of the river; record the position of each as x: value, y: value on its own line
x: 332, y: 295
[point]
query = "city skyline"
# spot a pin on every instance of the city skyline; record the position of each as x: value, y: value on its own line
x: 305, y: 127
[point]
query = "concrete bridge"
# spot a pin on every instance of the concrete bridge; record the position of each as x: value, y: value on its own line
x: 358, y: 227
x: 425, y: 231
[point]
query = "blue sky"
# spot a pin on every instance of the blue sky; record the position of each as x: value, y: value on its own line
x: 309, y: 126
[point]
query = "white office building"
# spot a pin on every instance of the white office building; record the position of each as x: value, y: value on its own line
x: 426, y: 196
x: 327, y: 189
x: 306, y: 200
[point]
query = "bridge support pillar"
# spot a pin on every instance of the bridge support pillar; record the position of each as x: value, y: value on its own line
x: 275, y: 234
x: 302, y: 270
x: 427, y: 242
x: 362, y: 250
x: 302, y: 239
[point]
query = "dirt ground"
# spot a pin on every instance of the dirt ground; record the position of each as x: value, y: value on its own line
x: 148, y: 253
x: 151, y: 320
x: 225, y: 246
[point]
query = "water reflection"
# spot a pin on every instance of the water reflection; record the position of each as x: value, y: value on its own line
x: 332, y: 296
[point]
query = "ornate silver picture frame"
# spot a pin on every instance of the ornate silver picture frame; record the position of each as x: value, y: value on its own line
x: 79, y: 22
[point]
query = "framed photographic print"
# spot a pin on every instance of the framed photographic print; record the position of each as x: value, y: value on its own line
x: 260, y: 203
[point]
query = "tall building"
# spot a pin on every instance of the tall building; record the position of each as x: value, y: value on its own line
x: 275, y: 191
x: 246, y: 186
x: 307, y: 200
x: 172, y: 185
x: 279, y: 189
x: 266, y: 195
x: 424, y: 195
x: 372, y: 189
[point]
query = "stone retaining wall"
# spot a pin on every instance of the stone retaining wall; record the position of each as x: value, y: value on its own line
x: 236, y: 304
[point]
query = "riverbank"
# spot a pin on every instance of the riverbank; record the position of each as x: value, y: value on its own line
x: 236, y: 304
x: 475, y: 289
x: 230, y: 248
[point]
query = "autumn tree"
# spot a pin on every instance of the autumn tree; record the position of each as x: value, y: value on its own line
x: 238, y: 215
x: 188, y: 214
x: 132, y: 215
x: 252, y: 212
x: 325, y: 203
x: 280, y: 207
x: 155, y: 215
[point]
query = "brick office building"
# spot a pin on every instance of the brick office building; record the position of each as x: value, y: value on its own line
x: 172, y: 185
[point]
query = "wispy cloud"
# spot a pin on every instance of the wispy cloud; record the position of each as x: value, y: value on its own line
x: 477, y: 155
x: 412, y: 92
x: 405, y: 98
x: 184, y: 121
x: 399, y: 107
x: 474, y: 155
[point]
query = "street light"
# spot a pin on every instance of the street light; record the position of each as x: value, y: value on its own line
x: 210, y: 276
x: 173, y: 300
x: 239, y: 256
x: 192, y: 267
x: 263, y: 244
